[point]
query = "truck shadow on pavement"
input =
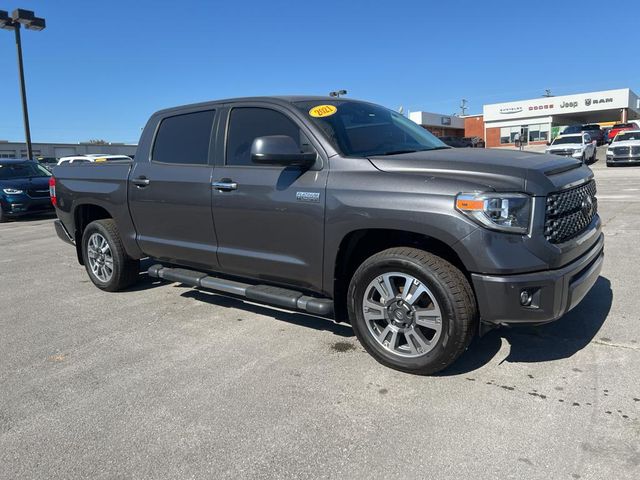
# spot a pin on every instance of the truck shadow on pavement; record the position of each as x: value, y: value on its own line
x: 295, y: 318
x: 553, y: 341
x: 242, y: 306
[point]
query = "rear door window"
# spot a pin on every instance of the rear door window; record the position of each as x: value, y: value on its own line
x: 184, y: 139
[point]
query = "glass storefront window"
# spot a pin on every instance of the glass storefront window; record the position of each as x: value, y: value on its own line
x: 504, y: 134
x: 538, y: 132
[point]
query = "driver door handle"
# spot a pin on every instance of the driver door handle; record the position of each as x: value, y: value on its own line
x: 225, y: 185
x: 141, y: 181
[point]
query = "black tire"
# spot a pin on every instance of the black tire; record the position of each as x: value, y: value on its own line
x: 3, y: 217
x: 448, y: 285
x: 125, y: 269
x: 594, y: 157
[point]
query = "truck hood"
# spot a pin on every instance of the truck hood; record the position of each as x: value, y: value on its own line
x: 37, y: 183
x: 500, y: 170
x: 564, y: 146
x: 626, y: 143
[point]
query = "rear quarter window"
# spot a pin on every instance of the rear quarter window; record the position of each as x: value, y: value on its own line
x: 184, y: 139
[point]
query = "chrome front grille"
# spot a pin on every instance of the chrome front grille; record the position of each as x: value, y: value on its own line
x: 569, y: 212
x: 38, y: 193
x: 620, y: 151
x: 567, y: 152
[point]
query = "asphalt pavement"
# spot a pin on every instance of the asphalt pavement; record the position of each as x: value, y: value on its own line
x: 163, y: 381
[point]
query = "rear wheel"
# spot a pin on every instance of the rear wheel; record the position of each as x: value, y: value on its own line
x: 411, y: 310
x: 108, y: 265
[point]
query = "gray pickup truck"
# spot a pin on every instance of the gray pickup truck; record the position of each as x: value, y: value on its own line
x: 342, y: 209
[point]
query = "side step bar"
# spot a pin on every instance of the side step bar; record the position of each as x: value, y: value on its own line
x: 277, y: 296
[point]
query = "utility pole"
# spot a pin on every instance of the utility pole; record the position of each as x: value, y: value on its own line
x: 463, y: 106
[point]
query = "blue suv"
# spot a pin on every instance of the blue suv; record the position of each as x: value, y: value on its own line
x: 24, y: 188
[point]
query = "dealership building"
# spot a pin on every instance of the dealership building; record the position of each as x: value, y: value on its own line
x: 439, y: 124
x: 541, y: 119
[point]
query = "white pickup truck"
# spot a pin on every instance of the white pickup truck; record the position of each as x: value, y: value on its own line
x: 578, y: 145
x: 624, y: 149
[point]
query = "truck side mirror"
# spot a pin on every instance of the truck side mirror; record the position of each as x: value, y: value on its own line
x: 280, y: 150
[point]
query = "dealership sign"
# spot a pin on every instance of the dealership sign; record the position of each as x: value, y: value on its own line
x: 585, y: 102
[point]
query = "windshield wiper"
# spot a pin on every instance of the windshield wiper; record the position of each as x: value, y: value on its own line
x: 398, y: 152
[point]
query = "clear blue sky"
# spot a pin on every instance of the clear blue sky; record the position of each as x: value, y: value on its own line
x: 101, y: 67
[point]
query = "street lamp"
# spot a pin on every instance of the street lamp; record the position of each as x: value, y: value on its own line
x: 20, y: 17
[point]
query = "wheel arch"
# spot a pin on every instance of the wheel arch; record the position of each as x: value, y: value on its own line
x: 83, y: 215
x: 358, y: 245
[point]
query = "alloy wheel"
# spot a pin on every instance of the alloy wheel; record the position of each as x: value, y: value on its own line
x: 402, y: 314
x: 100, y: 257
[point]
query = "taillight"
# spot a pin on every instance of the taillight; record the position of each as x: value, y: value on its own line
x: 52, y: 190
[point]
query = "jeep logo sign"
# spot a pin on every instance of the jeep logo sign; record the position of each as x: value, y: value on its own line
x: 568, y: 104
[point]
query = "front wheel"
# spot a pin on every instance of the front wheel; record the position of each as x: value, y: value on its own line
x: 108, y: 265
x: 412, y: 310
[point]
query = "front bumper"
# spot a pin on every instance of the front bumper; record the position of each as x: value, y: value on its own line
x: 553, y: 292
x: 611, y: 159
x: 18, y: 205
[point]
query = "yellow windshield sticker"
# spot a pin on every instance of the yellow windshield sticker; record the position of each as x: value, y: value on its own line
x: 322, y: 111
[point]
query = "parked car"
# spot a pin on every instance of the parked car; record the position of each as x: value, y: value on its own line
x: 24, y: 188
x: 595, y: 132
x: 577, y: 145
x: 47, y: 162
x: 624, y: 149
x: 90, y: 158
x: 593, y: 129
x: 457, y: 142
x: 75, y: 159
x: 620, y: 127
x: 476, y: 142
x: 572, y: 129
x: 345, y: 209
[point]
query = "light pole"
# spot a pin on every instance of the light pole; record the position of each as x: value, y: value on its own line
x: 31, y: 22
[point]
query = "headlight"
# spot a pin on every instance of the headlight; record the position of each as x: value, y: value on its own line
x: 508, y: 212
x: 11, y: 191
x: 609, y: 152
x: 577, y: 150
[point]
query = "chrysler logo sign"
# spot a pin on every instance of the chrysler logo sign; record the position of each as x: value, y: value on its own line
x: 508, y: 110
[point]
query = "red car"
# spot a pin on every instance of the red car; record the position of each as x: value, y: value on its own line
x: 620, y: 127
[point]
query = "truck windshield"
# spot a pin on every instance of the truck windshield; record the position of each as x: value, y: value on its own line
x: 569, y: 139
x: 359, y: 129
x: 22, y: 170
x: 624, y: 137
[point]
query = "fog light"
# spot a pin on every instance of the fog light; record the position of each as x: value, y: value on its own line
x: 525, y: 298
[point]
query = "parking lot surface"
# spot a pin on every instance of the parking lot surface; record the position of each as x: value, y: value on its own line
x: 164, y: 381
